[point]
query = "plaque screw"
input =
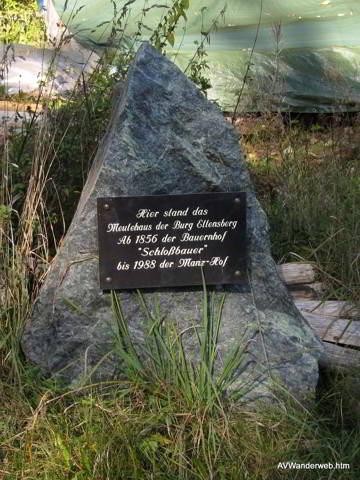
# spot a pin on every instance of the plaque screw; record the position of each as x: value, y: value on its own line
x: 237, y: 273
x: 108, y: 279
x: 237, y: 200
x: 106, y: 206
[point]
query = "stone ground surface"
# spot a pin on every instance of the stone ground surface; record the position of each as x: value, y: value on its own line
x: 165, y: 138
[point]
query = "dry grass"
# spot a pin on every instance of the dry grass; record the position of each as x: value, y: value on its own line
x: 307, y: 174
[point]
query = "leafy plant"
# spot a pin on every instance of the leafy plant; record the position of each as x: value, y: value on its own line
x: 198, y: 66
x: 164, y: 33
x: 21, y: 23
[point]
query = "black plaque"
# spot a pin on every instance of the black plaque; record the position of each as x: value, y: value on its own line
x: 165, y: 240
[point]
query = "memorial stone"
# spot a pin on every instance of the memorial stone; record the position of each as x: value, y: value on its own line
x: 165, y: 138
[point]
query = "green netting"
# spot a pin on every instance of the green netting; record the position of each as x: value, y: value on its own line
x: 310, y: 64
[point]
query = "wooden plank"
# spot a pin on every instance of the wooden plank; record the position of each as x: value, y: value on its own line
x: 309, y: 291
x: 296, y: 273
x: 335, y: 356
x: 328, y: 308
x: 336, y: 330
x: 20, y: 107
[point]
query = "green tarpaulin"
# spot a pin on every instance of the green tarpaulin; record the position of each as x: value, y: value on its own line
x: 306, y: 56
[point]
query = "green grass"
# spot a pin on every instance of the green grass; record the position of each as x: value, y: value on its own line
x: 131, y: 430
x: 21, y: 22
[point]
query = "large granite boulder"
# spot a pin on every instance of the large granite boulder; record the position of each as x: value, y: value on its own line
x: 166, y: 138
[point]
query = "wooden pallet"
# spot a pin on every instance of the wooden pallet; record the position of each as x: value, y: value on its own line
x: 337, y: 323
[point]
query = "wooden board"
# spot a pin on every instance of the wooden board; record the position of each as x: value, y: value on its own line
x: 297, y: 273
x: 335, y: 356
x: 310, y: 291
x: 20, y: 107
x: 328, y: 308
x: 336, y: 330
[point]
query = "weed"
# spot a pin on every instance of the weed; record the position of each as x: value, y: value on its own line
x: 198, y: 66
x: 307, y: 182
x: 164, y: 34
x: 130, y: 429
x: 21, y: 23
x: 163, y: 361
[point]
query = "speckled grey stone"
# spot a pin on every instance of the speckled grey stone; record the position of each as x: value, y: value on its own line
x: 165, y: 138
